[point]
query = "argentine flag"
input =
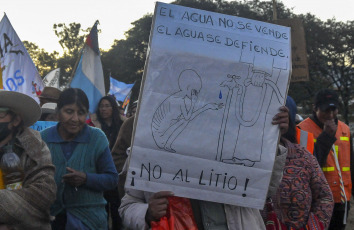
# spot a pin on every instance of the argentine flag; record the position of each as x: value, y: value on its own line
x: 89, y: 73
x: 119, y: 89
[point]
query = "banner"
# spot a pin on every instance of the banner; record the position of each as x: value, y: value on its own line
x: 18, y: 71
x: 212, y: 84
x: 119, y: 89
x: 41, y: 125
x: 89, y: 73
x: 52, y: 79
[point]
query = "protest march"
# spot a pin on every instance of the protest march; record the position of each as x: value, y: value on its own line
x: 217, y: 119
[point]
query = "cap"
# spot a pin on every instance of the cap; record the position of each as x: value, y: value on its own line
x: 50, y: 93
x: 326, y: 98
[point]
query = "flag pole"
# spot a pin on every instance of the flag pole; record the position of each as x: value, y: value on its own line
x: 74, y: 69
x: 80, y: 54
x: 275, y: 10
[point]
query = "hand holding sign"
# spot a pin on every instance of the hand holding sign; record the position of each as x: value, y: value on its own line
x: 157, y: 206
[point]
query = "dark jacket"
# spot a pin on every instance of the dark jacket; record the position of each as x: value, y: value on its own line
x: 119, y: 151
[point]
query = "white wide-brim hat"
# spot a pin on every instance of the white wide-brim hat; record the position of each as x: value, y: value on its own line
x: 21, y: 104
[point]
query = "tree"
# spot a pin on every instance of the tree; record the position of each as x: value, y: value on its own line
x: 43, y: 60
x: 339, y: 52
x: 330, y: 48
x: 69, y: 37
x: 72, y: 41
x: 126, y: 59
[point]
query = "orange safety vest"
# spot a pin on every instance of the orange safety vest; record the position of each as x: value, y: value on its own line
x: 305, y: 139
x: 342, y: 148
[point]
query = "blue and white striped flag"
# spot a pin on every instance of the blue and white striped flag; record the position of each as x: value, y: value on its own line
x: 89, y: 73
x: 119, y: 89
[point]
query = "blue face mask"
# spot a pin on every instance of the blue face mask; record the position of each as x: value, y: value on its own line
x: 4, y: 130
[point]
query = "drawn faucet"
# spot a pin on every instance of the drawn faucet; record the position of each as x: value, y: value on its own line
x: 235, y: 85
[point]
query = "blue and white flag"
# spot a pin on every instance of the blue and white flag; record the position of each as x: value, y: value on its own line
x: 89, y: 73
x: 119, y: 89
x: 17, y: 70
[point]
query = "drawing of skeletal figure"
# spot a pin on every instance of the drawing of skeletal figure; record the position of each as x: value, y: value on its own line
x: 176, y: 111
x: 250, y: 111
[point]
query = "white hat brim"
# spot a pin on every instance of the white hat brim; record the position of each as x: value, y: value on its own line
x: 21, y: 104
x: 47, y: 110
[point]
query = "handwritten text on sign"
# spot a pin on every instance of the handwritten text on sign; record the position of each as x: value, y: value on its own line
x: 211, y: 86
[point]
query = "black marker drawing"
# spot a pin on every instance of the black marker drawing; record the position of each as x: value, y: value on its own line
x: 263, y: 82
x: 176, y: 111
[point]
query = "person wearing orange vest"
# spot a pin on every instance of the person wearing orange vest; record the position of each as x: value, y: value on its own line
x: 333, y: 152
x: 305, y: 139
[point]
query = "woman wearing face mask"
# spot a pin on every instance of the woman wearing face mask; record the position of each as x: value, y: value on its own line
x: 26, y: 207
x: 84, y: 166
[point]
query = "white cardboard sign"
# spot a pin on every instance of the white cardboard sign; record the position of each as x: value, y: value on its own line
x: 212, y: 84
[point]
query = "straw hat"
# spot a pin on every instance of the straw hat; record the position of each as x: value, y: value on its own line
x: 50, y: 93
x: 21, y: 104
x: 49, y: 107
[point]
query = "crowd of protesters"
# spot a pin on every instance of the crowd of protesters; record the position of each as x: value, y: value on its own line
x: 74, y: 172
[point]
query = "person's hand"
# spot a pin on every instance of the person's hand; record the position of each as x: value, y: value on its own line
x: 157, y: 206
x: 330, y: 127
x: 282, y: 119
x: 74, y: 178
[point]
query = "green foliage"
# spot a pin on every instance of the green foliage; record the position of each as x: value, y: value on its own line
x: 126, y: 59
x: 43, y: 60
x: 330, y: 49
x: 70, y: 39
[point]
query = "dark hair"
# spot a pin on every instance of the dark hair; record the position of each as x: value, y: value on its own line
x: 115, y: 111
x: 73, y: 95
x: 116, y: 121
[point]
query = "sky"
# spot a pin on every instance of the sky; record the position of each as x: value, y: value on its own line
x: 33, y: 20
